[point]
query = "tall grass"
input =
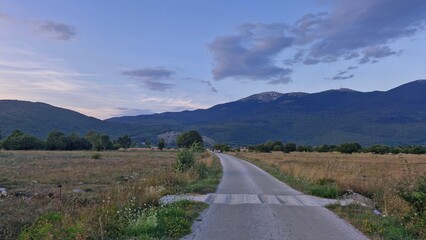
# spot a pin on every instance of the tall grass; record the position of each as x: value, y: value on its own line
x: 98, y: 198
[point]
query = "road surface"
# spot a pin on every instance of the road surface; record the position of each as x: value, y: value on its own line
x: 251, y: 204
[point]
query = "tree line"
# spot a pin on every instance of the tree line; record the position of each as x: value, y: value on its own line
x: 57, y: 140
x: 343, y: 148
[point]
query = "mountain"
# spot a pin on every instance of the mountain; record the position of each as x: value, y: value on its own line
x: 394, y: 117
x: 38, y: 119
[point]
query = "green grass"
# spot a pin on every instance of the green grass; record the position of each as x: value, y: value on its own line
x: 374, y: 226
x: 323, y: 188
x: 163, y: 222
x: 209, y: 182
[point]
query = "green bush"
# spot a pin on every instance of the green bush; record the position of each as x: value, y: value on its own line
x: 48, y: 226
x: 185, y: 160
x: 414, y: 194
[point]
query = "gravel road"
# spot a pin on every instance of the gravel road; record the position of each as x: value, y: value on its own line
x: 251, y: 204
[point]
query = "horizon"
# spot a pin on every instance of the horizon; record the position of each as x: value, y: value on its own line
x: 145, y: 57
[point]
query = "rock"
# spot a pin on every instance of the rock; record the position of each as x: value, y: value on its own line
x: 358, y: 198
x: 377, y: 212
x: 23, y: 194
x: 78, y: 190
x: 3, y: 192
x: 34, y: 181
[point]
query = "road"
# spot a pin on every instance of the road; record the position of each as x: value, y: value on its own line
x: 251, y: 204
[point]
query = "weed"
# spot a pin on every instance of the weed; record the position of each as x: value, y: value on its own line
x: 96, y: 156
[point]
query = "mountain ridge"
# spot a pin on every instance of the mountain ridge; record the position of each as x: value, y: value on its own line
x: 393, y: 117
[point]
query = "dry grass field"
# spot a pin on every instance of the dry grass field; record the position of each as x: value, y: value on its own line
x: 373, y: 175
x: 83, y: 189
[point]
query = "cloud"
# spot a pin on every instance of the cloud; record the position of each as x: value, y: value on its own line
x: 150, y: 73
x: 251, y: 53
x: 376, y: 53
x: 342, y: 75
x: 212, y: 88
x: 359, y: 31
x: 56, y: 30
x: 154, y: 79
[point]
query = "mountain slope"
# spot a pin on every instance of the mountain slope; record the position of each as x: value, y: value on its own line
x: 394, y: 117
x: 397, y: 116
x: 39, y: 119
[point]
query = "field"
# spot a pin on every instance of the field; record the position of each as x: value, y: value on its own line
x: 87, y: 190
x: 378, y: 177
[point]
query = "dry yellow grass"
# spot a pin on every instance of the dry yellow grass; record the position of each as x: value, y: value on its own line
x: 370, y: 174
x: 117, y: 178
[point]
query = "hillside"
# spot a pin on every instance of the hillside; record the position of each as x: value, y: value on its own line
x: 394, y: 117
x: 39, y: 119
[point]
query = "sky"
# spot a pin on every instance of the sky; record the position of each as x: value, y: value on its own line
x: 113, y: 58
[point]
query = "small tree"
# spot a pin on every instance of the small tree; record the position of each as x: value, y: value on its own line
x: 105, y: 142
x: 187, y: 139
x: 289, y: 147
x: 349, y: 148
x: 124, y: 141
x: 161, y: 144
x: 56, y: 141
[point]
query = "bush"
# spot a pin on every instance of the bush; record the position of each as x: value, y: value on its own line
x: 19, y: 141
x: 349, y: 147
x: 414, y: 194
x: 48, y: 226
x: 263, y: 148
x: 289, y: 147
x: 96, y: 156
x: 185, y: 160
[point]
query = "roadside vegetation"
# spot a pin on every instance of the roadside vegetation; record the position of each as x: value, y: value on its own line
x: 396, y: 183
x: 101, y: 195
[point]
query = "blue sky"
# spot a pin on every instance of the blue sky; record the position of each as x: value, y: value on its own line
x: 113, y: 58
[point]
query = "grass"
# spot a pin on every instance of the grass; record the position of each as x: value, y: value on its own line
x: 376, y: 227
x: 98, y: 197
x: 378, y: 177
x: 211, y: 169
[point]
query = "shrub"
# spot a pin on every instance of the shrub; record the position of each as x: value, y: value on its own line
x: 96, y: 156
x: 48, y: 226
x: 185, y: 160
x: 349, y: 147
x: 414, y: 194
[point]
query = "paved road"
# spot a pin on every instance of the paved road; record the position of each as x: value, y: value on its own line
x: 251, y: 204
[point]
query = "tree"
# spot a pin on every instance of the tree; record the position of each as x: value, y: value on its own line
x: 222, y: 147
x: 379, y: 149
x: 99, y: 141
x: 263, y: 148
x: 161, y: 144
x: 289, y: 147
x: 19, y: 141
x: 349, y: 147
x: 94, y: 139
x: 187, y: 139
x: 75, y: 142
x: 56, y: 141
x: 105, y: 142
x: 124, y: 141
